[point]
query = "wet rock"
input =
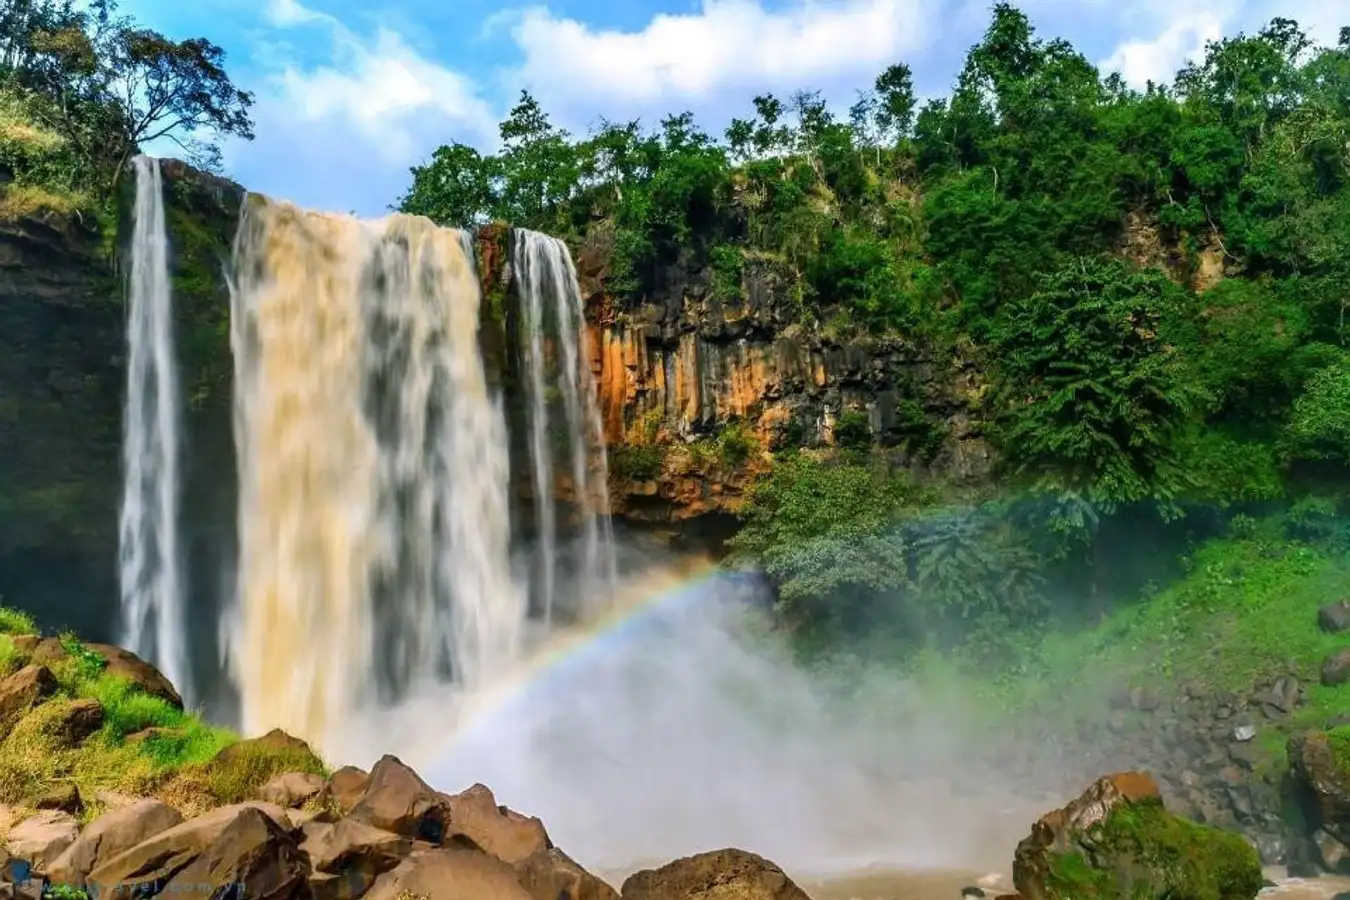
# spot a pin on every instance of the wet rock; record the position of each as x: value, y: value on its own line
x: 1336, y: 668
x: 1333, y: 854
x: 1334, y: 618
x: 40, y: 839
x: 728, y: 873
x: 291, y: 789
x: 23, y: 690
x: 114, y: 832
x: 1118, y: 830
x: 398, y: 800
x: 1320, y: 782
x: 502, y: 832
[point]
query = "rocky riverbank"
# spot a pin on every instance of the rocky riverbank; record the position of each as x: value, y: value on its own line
x: 105, y: 781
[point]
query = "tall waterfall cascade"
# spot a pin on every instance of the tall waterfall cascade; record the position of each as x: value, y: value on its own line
x: 553, y: 327
x: 374, y: 526
x: 152, y: 592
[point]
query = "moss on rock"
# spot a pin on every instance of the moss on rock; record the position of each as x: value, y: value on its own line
x: 1119, y: 842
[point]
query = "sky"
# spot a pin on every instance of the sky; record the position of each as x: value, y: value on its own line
x: 351, y: 94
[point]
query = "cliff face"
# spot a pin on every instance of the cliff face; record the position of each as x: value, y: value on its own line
x: 686, y: 373
x: 62, y: 386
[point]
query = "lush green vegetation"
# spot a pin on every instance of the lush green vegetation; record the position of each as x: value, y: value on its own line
x: 1153, y: 282
x: 144, y: 745
x: 82, y: 88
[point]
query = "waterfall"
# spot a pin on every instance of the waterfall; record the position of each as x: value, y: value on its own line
x: 547, y: 283
x: 153, y: 622
x: 373, y: 515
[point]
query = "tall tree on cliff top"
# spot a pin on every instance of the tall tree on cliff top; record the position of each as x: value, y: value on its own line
x: 114, y: 87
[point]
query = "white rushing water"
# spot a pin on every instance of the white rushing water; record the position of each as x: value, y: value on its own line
x: 153, y: 623
x: 547, y: 284
x: 373, y: 515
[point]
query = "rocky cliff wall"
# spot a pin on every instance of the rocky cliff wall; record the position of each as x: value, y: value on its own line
x: 680, y: 371
x: 62, y: 386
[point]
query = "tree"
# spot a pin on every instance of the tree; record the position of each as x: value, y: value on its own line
x: 115, y: 87
x: 539, y: 165
x: 455, y: 187
x: 1091, y: 394
x: 895, y: 101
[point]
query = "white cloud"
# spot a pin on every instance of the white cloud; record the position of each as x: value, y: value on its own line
x: 342, y: 134
x: 725, y: 43
x: 1157, y: 59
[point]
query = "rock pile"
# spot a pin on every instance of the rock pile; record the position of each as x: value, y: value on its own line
x: 382, y: 835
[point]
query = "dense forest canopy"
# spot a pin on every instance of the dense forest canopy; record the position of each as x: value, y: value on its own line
x: 1154, y: 282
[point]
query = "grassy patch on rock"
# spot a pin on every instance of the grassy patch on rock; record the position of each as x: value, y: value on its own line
x: 144, y: 745
x: 1155, y: 854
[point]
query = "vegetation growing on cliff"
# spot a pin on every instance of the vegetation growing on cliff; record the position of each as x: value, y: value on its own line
x: 1153, y: 281
x: 83, y: 88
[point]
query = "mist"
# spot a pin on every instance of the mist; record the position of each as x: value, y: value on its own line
x: 688, y: 727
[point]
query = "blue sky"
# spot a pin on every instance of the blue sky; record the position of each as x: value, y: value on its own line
x: 350, y: 94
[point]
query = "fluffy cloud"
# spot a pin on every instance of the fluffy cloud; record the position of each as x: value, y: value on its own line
x: 724, y: 44
x: 341, y: 134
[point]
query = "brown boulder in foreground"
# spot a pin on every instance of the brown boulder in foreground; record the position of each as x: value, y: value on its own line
x: 728, y: 874
x: 550, y: 874
x: 450, y: 874
x: 345, y: 787
x: 502, y: 832
x: 252, y: 857
x: 114, y: 832
x: 397, y: 799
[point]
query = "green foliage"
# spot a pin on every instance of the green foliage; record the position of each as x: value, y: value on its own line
x: 1092, y: 397
x: 15, y: 621
x: 1152, y: 286
x: 82, y: 89
x: 853, y: 430
x: 1146, y: 852
x: 636, y: 462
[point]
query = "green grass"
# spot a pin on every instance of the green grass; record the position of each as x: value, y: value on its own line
x: 177, y: 761
x: 13, y: 621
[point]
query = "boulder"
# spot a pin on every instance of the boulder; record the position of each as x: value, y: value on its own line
x: 1117, y: 840
x: 251, y: 857
x: 345, y: 787
x: 1336, y: 668
x: 291, y: 790
x: 127, y: 665
x: 23, y: 690
x: 276, y: 743
x: 503, y: 832
x: 64, y: 796
x: 347, y: 856
x: 1334, y: 618
x: 40, y: 839
x: 728, y: 874
x: 449, y: 874
x: 114, y: 832
x: 160, y: 857
x: 550, y: 874
x: 76, y: 721
x: 396, y: 799
x: 1319, y: 769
